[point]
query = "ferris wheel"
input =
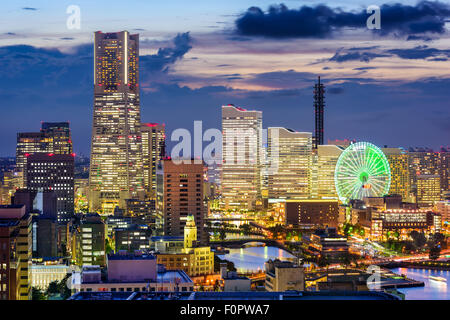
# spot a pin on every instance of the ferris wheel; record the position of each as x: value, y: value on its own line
x: 362, y: 170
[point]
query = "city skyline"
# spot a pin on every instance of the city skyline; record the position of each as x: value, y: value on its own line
x: 378, y: 86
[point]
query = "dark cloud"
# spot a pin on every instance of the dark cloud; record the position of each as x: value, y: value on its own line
x: 320, y: 21
x: 67, y: 38
x: 364, y: 68
x: 282, y: 79
x: 420, y: 52
x: 29, y: 9
x: 160, y: 61
x: 335, y: 90
x: 364, y: 56
x: 419, y: 38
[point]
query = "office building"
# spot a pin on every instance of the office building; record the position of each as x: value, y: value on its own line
x: 53, y: 172
x: 61, y: 138
x: 320, y: 213
x: 443, y: 208
x: 192, y: 258
x: 15, y: 253
x: 241, y: 156
x: 29, y: 143
x: 289, y: 159
x: 89, y: 241
x: 284, y: 276
x: 153, y: 150
x: 180, y: 193
x: 54, y: 137
x: 428, y: 190
x: 325, y: 164
x: 135, y: 237
x: 116, y: 171
x: 398, y: 160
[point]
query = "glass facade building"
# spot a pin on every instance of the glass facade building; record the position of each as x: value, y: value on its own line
x: 116, y: 171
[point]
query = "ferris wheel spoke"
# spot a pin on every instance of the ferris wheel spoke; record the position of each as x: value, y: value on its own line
x: 362, y: 170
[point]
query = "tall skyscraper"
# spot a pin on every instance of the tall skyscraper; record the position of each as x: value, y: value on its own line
x: 241, y: 156
x: 153, y: 150
x: 180, y: 194
x: 399, y: 163
x: 29, y: 143
x: 319, y: 104
x: 289, y: 156
x: 53, y: 172
x: 61, y: 136
x: 326, y: 159
x: 54, y: 137
x: 116, y: 172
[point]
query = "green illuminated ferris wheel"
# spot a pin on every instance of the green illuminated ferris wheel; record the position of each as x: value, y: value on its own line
x: 362, y: 170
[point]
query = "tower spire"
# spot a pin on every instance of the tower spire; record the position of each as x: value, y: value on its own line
x: 319, y: 104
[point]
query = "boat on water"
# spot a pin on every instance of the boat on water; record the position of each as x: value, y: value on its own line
x: 437, y: 278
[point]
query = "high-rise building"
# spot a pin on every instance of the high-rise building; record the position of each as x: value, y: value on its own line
x: 89, y: 241
x: 428, y: 190
x: 180, y: 193
x: 153, y: 150
x: 289, y: 159
x: 319, y: 104
x: 241, y: 156
x: 444, y: 159
x: 53, y: 172
x: 60, y: 135
x: 54, y: 137
x: 116, y: 171
x: 422, y: 161
x: 15, y: 253
x: 29, y: 143
x: 325, y: 162
x: 399, y: 163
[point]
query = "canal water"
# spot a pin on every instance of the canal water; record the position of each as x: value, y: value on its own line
x: 252, y: 259
x: 433, y: 290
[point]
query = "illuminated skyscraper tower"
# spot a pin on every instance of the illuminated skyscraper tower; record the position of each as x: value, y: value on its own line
x: 319, y: 103
x: 153, y: 150
x: 242, y: 156
x: 116, y: 170
x: 399, y: 164
x: 289, y: 154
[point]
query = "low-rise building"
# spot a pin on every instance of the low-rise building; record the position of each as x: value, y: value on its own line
x: 131, y: 273
x: 233, y: 282
x: 327, y: 243
x: 43, y: 274
x: 283, y: 276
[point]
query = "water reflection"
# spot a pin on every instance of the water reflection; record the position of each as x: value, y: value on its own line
x: 252, y: 259
x: 433, y: 290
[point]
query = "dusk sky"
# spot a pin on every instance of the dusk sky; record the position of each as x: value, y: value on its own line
x: 389, y: 86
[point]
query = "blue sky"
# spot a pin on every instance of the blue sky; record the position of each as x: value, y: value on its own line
x: 389, y: 87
